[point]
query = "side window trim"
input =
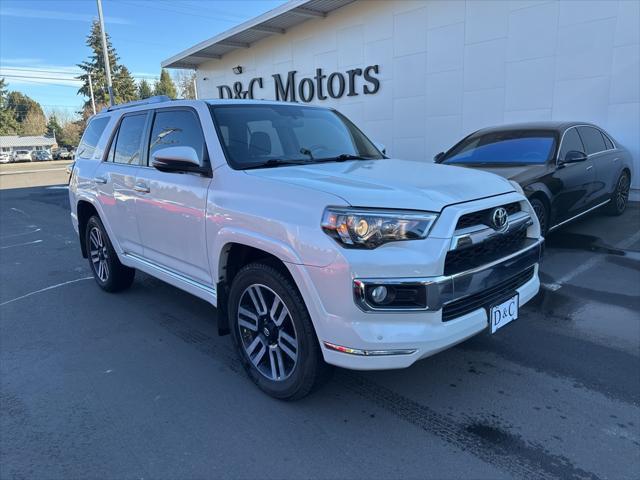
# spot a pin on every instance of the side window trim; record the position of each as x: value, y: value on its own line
x: 562, y: 141
x: 116, y: 133
x: 602, y: 132
x: 183, y: 108
x: 606, y: 149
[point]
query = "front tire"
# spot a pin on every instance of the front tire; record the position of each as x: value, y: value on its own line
x: 542, y: 212
x: 273, y: 334
x: 620, y: 196
x: 109, y: 273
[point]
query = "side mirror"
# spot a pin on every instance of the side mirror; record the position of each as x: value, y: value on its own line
x: 574, y: 156
x: 177, y: 160
x: 381, y: 147
x: 438, y: 157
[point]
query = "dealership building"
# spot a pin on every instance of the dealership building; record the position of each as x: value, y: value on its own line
x: 417, y: 76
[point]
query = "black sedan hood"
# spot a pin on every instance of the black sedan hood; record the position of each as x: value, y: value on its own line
x: 522, y: 174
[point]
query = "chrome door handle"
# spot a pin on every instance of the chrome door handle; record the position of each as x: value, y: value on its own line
x: 616, y: 159
x: 102, y: 180
x: 141, y: 187
x: 589, y: 167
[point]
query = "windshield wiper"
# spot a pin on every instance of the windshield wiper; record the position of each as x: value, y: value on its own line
x: 343, y: 158
x: 277, y: 162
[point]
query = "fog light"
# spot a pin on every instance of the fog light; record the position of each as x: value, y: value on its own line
x: 379, y: 294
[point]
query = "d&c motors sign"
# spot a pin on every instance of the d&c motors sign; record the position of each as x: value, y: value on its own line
x: 307, y: 89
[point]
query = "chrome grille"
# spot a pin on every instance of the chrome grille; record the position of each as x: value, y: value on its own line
x: 488, y: 251
x: 483, y: 217
x: 487, y: 297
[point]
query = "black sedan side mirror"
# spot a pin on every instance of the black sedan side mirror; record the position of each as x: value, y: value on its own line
x: 438, y: 157
x: 573, y: 156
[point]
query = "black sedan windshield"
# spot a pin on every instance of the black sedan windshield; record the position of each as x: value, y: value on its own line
x: 255, y: 136
x: 521, y: 147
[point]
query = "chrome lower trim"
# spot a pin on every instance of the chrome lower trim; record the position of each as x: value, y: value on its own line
x: 175, y: 275
x: 578, y: 216
x: 447, y: 288
x: 368, y: 353
x: 467, y: 237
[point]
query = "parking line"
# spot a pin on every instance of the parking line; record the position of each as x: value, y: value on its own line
x: 44, y: 290
x: 589, y: 264
x: 18, y: 172
x: 21, y: 244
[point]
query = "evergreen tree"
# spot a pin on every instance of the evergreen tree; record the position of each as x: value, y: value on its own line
x: 28, y: 117
x: 8, y: 122
x: 95, y: 66
x: 144, y: 89
x: 125, y: 86
x: 53, y: 126
x: 165, y: 85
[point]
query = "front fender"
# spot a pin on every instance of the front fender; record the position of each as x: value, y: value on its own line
x: 229, y: 235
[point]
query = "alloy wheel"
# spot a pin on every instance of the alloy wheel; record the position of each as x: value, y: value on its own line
x: 99, y: 254
x: 541, y: 213
x: 267, y: 332
x: 622, y: 192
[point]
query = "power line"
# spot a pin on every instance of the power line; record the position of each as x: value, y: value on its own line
x: 36, y: 70
x: 11, y: 75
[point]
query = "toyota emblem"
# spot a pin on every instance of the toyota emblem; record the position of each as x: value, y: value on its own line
x: 500, y: 219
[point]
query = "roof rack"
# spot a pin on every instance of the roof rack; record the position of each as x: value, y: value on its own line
x: 145, y: 101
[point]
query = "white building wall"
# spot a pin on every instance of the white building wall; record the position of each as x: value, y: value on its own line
x: 448, y: 67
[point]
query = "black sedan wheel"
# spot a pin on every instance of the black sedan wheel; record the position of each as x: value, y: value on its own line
x: 620, y: 196
x: 542, y: 213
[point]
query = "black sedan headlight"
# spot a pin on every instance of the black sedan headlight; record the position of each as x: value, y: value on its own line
x: 370, y: 227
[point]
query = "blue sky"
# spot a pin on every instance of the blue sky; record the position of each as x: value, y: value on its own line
x: 46, y: 38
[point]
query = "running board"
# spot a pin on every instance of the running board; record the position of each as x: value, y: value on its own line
x: 176, y: 279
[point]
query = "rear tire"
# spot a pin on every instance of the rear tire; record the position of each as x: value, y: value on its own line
x: 620, y: 196
x: 109, y: 273
x: 542, y: 212
x: 273, y: 334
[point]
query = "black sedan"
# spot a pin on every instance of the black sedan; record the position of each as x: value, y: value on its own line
x: 566, y: 169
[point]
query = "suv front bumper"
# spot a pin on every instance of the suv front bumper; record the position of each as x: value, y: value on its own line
x: 354, y: 335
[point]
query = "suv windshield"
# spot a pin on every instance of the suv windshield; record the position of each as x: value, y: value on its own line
x: 521, y: 147
x: 255, y: 136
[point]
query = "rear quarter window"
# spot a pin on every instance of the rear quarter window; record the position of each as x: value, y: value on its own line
x: 91, y: 137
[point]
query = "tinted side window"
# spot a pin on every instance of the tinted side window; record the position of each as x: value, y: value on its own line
x: 571, y: 141
x: 608, y: 143
x: 129, y: 139
x: 91, y: 136
x: 592, y: 139
x: 176, y: 128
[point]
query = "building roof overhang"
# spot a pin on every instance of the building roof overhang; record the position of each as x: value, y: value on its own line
x: 273, y: 22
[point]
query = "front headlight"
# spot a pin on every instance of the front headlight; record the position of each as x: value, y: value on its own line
x: 370, y: 227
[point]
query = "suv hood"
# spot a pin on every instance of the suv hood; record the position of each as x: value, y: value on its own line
x: 391, y: 183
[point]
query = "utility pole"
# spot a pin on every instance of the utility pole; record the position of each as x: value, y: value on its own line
x: 93, y: 102
x: 107, y: 67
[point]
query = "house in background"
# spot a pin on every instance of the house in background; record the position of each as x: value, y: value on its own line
x: 11, y: 143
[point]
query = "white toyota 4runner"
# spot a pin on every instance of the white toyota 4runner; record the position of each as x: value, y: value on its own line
x: 314, y: 246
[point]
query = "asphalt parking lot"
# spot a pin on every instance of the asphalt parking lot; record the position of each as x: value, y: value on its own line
x: 139, y: 385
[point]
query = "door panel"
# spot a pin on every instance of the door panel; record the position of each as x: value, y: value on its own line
x: 171, y: 215
x: 117, y: 198
x: 115, y: 180
x: 596, y: 148
x: 571, y: 184
x: 171, y: 219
